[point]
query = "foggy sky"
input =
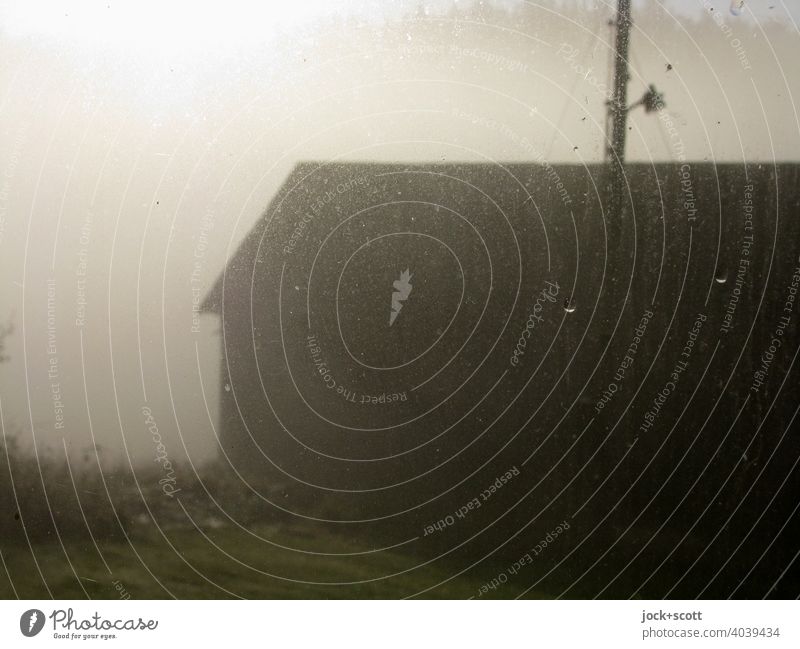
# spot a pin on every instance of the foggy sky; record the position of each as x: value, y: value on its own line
x: 135, y: 142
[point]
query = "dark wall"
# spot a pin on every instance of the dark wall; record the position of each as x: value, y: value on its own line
x: 398, y: 426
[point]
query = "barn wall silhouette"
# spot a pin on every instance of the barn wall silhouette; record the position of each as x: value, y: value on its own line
x: 614, y: 364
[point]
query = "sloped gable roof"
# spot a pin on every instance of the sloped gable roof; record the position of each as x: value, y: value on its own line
x: 309, y: 180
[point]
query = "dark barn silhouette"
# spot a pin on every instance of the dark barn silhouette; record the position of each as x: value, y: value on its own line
x: 526, y: 297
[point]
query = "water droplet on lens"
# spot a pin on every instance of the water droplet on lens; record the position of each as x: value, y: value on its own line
x: 737, y: 7
x: 721, y: 276
x: 569, y: 305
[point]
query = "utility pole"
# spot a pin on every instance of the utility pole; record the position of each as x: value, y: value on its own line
x: 618, y: 106
x: 617, y: 117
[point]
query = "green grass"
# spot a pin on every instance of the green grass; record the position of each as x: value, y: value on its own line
x: 222, y: 561
x: 195, y: 569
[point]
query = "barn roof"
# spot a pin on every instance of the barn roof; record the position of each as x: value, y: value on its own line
x: 310, y: 180
x: 555, y: 189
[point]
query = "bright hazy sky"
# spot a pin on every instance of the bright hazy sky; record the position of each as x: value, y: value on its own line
x: 123, y: 124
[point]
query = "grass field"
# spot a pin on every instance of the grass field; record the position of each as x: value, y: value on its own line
x: 109, y: 546
x: 186, y: 565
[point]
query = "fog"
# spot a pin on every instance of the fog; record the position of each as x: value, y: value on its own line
x: 138, y: 147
